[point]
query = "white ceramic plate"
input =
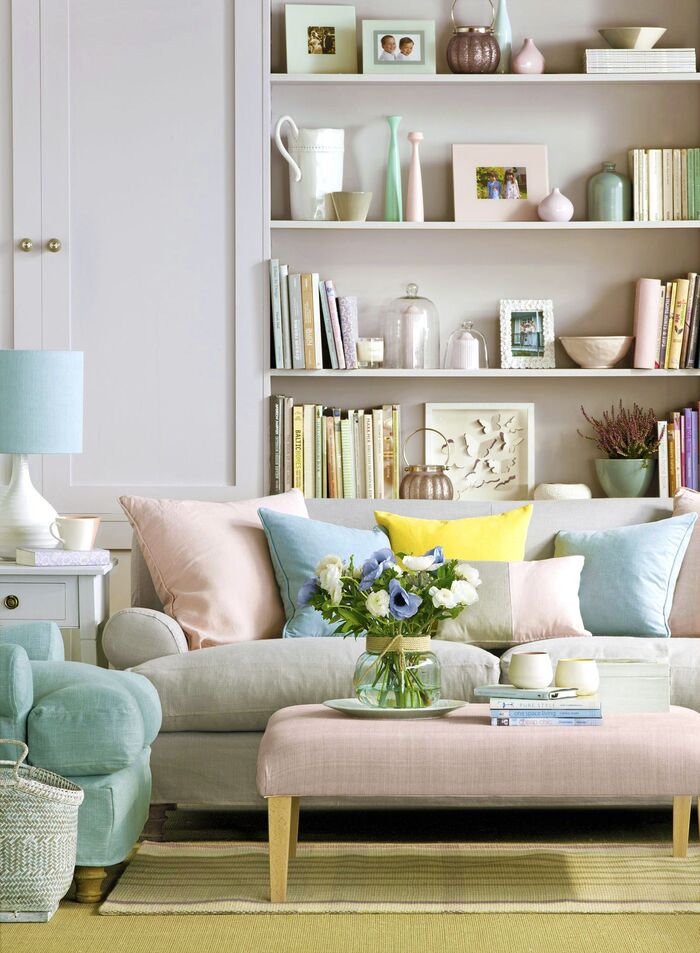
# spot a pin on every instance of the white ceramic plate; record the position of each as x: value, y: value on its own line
x: 351, y: 706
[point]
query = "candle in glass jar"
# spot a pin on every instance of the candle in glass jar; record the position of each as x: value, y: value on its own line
x: 370, y: 352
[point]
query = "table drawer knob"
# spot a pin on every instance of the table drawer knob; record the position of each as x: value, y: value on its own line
x: 11, y: 602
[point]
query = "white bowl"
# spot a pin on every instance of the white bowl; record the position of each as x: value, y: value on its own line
x: 591, y: 351
x: 632, y: 37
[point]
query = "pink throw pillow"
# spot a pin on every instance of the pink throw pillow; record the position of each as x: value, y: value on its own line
x: 685, y: 611
x: 210, y: 565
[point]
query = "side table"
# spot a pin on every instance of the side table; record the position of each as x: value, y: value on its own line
x: 74, y: 597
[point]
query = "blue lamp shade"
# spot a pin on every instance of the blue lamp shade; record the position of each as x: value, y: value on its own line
x: 41, y: 401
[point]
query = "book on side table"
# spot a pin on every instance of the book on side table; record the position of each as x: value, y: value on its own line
x: 63, y: 557
x: 583, y: 710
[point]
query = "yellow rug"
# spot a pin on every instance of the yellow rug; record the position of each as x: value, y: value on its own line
x: 216, y: 877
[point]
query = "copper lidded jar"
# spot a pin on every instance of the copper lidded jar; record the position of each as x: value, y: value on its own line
x: 424, y: 481
x: 473, y: 49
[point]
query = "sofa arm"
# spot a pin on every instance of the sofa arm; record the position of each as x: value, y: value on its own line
x: 134, y: 636
x: 42, y: 641
x: 16, y: 696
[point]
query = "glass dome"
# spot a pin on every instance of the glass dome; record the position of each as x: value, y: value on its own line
x: 463, y: 348
x: 412, y: 332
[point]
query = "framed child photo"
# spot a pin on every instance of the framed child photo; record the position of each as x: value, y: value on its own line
x: 321, y: 38
x: 499, y: 183
x: 527, y: 333
x: 398, y: 46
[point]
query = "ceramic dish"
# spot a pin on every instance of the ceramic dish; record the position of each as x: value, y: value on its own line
x: 632, y: 37
x: 596, y: 351
x: 351, y: 706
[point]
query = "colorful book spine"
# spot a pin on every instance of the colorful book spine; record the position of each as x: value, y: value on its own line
x: 388, y: 453
x: 327, y: 327
x: 684, y: 185
x: 672, y: 483
x: 662, y: 430
x: 338, y: 463
x: 676, y: 181
x: 587, y: 702
x: 316, y: 313
x: 396, y: 442
x: 307, y: 311
x: 537, y: 714
x: 692, y: 280
x: 288, y: 466
x: 691, y: 184
x: 691, y: 358
x: 665, y: 324
x: 298, y: 447
x: 367, y: 422
x: 309, y: 446
x: 687, y: 425
x: 378, y: 441
x: 678, y: 326
x: 348, y: 459
x: 667, y: 184
x: 656, y: 186
x: 669, y: 329
x: 296, y: 322
x: 509, y: 722
x: 679, y: 449
x: 319, y: 491
x: 696, y: 183
x: 347, y: 310
x: 330, y: 458
x: 276, y: 442
x: 286, y: 328
x: 358, y: 442
x: 694, y: 450
x: 276, y: 310
x: 335, y: 323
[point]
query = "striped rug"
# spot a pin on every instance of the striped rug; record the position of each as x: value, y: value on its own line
x: 216, y: 877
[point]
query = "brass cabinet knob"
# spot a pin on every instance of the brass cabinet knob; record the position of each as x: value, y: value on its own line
x: 26, y: 244
x: 11, y: 602
x: 54, y: 244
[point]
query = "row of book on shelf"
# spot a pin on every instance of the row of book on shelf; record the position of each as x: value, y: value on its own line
x: 329, y: 453
x: 679, y: 452
x: 678, y: 323
x: 662, y: 60
x: 665, y: 184
x: 312, y: 326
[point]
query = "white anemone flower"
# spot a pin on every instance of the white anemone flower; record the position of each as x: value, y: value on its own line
x: 465, y: 571
x: 329, y: 561
x: 329, y: 577
x: 464, y: 592
x: 443, y: 598
x: 418, y: 563
x: 378, y: 604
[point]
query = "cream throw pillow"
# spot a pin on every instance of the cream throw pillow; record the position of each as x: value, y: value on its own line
x: 210, y: 565
x: 685, y: 612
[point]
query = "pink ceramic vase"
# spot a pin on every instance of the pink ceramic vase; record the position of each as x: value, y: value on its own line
x: 528, y: 59
x: 555, y: 208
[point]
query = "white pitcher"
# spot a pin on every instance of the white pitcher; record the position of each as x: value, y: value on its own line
x: 315, y: 160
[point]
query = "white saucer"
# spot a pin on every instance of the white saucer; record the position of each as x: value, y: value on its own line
x: 355, y: 708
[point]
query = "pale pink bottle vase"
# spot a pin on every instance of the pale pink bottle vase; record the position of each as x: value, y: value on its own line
x: 414, y: 198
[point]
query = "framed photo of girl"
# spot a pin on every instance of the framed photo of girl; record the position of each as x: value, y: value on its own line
x: 398, y: 46
x: 499, y: 183
x: 527, y: 333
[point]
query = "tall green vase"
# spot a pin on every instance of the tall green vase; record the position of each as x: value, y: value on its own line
x: 609, y: 196
x: 393, y: 199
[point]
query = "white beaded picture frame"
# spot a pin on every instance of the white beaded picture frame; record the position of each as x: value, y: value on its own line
x: 527, y: 333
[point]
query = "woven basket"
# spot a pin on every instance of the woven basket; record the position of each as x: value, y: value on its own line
x: 38, y: 835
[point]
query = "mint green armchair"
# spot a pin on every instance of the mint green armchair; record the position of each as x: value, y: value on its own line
x: 91, y: 725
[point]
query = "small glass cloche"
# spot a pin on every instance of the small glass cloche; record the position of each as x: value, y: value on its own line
x: 412, y: 332
x: 462, y: 352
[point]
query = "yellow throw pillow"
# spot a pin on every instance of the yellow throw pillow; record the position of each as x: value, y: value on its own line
x: 499, y: 538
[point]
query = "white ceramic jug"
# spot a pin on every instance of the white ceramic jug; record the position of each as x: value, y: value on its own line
x: 315, y: 160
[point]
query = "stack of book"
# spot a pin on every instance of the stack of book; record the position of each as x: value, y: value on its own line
x: 512, y: 707
x: 678, y: 324
x: 63, y: 557
x: 640, y: 61
x: 312, y: 327
x: 678, y: 451
x: 330, y: 453
x: 666, y: 184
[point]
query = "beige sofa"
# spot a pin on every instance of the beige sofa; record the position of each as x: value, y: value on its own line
x: 216, y: 702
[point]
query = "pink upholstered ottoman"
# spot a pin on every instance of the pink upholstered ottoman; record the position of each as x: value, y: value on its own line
x: 309, y: 750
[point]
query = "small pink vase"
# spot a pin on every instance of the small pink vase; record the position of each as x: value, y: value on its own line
x: 555, y: 208
x: 528, y: 59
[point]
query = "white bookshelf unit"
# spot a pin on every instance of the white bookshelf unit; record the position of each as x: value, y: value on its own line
x: 589, y: 269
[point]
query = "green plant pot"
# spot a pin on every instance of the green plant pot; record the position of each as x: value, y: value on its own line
x: 625, y: 477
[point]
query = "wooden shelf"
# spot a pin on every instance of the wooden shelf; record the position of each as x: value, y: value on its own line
x: 482, y: 226
x: 490, y: 79
x: 558, y: 372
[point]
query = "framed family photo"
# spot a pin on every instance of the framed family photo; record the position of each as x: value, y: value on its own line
x: 398, y: 46
x: 321, y: 38
x: 527, y: 333
x: 499, y: 183
x: 492, y: 448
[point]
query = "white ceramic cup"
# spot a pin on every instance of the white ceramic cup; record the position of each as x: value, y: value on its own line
x: 530, y: 670
x: 580, y: 673
x: 75, y: 532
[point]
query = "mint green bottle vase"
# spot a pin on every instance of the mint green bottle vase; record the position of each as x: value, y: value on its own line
x: 393, y: 199
x: 609, y: 196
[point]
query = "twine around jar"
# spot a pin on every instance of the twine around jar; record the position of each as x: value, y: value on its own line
x: 381, y: 644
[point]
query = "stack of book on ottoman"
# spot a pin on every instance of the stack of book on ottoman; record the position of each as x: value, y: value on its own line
x: 520, y: 707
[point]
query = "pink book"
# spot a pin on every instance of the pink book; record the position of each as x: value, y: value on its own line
x: 335, y: 323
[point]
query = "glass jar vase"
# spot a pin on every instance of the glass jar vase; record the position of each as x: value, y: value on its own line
x: 397, y: 673
x: 411, y: 331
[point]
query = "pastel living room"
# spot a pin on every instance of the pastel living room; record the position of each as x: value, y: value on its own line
x: 349, y: 476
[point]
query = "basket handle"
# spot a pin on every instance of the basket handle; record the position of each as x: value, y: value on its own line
x: 25, y: 751
x: 446, y: 447
x: 454, y: 22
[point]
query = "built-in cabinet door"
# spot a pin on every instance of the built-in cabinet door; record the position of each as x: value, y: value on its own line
x: 127, y: 118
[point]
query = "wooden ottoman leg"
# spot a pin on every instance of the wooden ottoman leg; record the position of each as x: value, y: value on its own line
x: 681, y: 825
x: 88, y: 884
x: 294, y: 828
x: 279, y: 822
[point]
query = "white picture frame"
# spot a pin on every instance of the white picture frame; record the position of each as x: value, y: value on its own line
x: 527, y: 333
x: 492, y: 448
x: 416, y: 57
x: 320, y: 38
x: 521, y: 181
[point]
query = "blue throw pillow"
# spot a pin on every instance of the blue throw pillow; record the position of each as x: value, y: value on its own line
x: 629, y: 575
x: 297, y: 545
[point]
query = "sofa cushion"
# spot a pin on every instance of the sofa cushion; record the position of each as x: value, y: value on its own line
x: 685, y: 612
x: 497, y: 538
x: 630, y: 574
x: 210, y: 565
x: 521, y: 602
x: 238, y: 687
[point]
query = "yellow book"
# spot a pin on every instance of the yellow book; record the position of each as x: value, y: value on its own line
x: 678, y: 325
x: 669, y: 332
x: 307, y: 317
x: 672, y: 484
x: 298, y: 447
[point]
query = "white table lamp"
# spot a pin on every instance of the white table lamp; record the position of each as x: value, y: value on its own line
x: 41, y: 411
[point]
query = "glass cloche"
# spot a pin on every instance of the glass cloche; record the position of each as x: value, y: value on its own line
x: 412, y: 332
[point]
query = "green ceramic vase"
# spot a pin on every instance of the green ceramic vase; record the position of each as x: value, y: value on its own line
x: 393, y: 200
x: 609, y: 196
x: 625, y: 478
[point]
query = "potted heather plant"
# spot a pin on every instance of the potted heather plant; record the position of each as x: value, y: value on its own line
x: 397, y: 604
x: 629, y: 439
